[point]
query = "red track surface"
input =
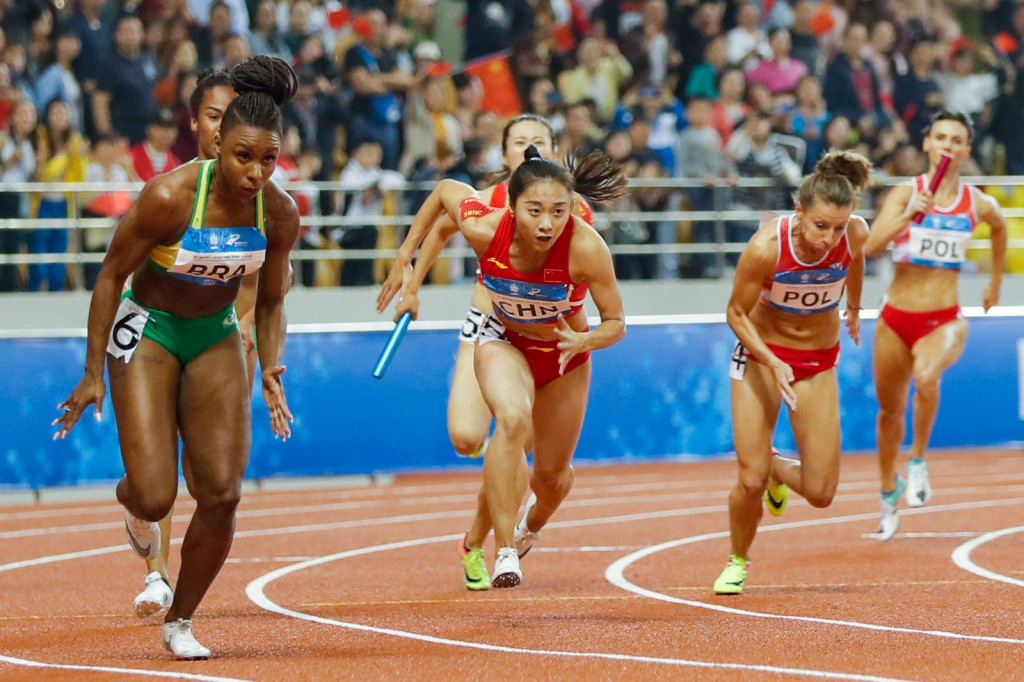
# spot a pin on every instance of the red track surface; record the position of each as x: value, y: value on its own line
x: 366, y: 584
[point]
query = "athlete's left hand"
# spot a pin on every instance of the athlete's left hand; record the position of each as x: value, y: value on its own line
x: 853, y: 324
x: 398, y: 279
x: 570, y: 343
x: 273, y: 395
x: 990, y: 296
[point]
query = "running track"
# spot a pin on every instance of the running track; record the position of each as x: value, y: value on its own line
x: 365, y: 583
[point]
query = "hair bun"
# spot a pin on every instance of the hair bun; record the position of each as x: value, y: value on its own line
x: 531, y: 154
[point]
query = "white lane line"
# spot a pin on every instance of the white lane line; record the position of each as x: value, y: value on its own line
x: 954, y: 534
x: 962, y: 556
x: 256, y: 592
x: 122, y: 671
x: 615, y: 574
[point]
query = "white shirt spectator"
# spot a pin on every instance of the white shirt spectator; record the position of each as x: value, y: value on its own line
x: 200, y: 11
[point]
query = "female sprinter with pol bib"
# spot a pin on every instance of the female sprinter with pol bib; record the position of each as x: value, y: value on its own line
x: 532, y: 356
x: 176, y: 362
x: 469, y: 420
x: 784, y: 310
x: 921, y: 331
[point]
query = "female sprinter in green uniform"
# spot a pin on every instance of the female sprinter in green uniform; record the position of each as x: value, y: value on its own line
x: 176, y: 361
x: 207, y: 104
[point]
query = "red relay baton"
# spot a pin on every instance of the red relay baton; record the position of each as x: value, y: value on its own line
x: 936, y: 179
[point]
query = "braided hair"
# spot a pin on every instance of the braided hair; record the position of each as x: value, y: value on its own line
x: 263, y: 84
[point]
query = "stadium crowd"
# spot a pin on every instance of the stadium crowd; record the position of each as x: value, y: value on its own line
x: 391, y: 90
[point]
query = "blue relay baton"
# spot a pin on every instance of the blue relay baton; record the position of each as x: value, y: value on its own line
x: 389, y: 350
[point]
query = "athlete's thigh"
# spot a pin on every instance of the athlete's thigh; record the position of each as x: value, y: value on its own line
x: 755, y: 410
x: 940, y: 348
x: 892, y: 364
x: 214, y: 414
x: 505, y: 379
x: 144, y: 393
x: 816, y: 424
x: 466, y: 406
x: 558, y: 418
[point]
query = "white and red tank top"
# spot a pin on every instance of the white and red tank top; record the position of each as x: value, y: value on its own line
x: 940, y: 239
x: 541, y: 296
x: 806, y: 288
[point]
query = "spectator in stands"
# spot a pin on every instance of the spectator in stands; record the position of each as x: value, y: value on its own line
x: 917, y: 95
x: 377, y: 83
x: 266, y: 37
x: 308, y: 167
x: 153, y: 156
x: 747, y: 44
x: 649, y: 47
x: 497, y: 25
x: 469, y: 93
x: 210, y: 36
x: 123, y: 101
x: 17, y: 164
x: 851, y: 85
x: 57, y: 81
x: 807, y: 118
x: 418, y: 18
x: 238, y: 12
x: 805, y: 46
x: 968, y: 92
x: 757, y: 155
x: 61, y: 157
x: 580, y: 136
x: 14, y: 59
x: 729, y: 108
x: 186, y: 144
x: 700, y: 154
x: 886, y: 60
x: 602, y: 71
x: 703, y: 80
x: 95, y: 36
x: 236, y: 50
x: 544, y: 100
x: 185, y: 60
x: 312, y: 58
x: 837, y: 133
x: 318, y: 117
x: 430, y: 128
x: 366, y: 182
x: 662, y: 111
x: 781, y: 72
x: 40, y: 45
x: 298, y: 24
x: 697, y: 26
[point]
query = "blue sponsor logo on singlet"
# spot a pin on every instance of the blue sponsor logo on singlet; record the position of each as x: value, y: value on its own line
x: 528, y: 302
x: 808, y: 291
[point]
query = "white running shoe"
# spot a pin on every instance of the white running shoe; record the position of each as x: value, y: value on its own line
x: 525, y: 537
x: 143, y: 536
x: 178, y: 639
x: 919, y: 490
x: 889, y: 523
x: 506, y: 568
x: 155, y: 598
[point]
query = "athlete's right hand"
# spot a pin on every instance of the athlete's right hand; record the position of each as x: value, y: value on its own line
x: 89, y: 391
x: 784, y: 380
x: 408, y: 302
x: 397, y: 280
x: 922, y: 203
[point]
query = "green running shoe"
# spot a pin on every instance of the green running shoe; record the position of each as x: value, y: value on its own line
x: 474, y: 567
x: 732, y: 578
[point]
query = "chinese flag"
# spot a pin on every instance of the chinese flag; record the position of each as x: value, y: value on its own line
x: 500, y: 94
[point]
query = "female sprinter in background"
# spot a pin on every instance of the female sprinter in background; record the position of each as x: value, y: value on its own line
x: 785, y: 312
x: 532, y: 356
x: 921, y: 331
x: 176, y: 361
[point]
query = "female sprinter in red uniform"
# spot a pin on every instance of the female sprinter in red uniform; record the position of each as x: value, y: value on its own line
x: 785, y: 312
x: 533, y: 349
x: 469, y: 420
x: 171, y: 345
x: 921, y: 331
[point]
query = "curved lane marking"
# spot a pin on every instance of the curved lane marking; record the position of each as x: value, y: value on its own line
x: 962, y: 556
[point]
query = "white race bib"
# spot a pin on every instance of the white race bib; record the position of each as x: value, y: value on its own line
x: 126, y: 333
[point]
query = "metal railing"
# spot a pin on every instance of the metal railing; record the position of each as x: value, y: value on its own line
x: 603, y: 219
